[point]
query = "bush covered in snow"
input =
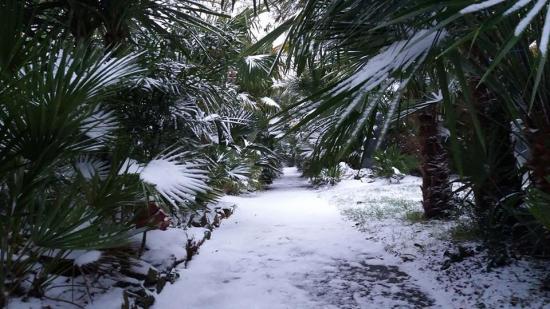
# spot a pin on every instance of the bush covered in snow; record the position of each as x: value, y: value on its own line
x: 112, y: 128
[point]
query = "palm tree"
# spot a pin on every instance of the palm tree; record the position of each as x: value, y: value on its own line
x: 387, y: 43
x: 371, y: 71
x: 118, y: 22
x: 90, y: 135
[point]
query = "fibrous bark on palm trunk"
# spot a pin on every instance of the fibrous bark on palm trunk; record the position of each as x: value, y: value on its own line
x: 538, y: 138
x: 500, y: 178
x: 436, y: 187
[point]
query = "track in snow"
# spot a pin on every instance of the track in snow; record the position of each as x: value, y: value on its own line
x: 288, y: 248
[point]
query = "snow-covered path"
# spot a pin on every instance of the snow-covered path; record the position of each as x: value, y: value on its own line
x: 288, y: 248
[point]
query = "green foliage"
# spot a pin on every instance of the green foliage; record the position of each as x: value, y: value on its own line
x: 479, y: 65
x: 108, y: 107
x: 466, y: 231
x: 539, y: 205
x: 56, y: 196
x: 415, y: 216
x: 391, y: 158
x: 328, y: 176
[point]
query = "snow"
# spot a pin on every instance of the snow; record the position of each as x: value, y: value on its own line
x: 379, y: 210
x: 270, y: 102
x: 130, y: 166
x: 212, y: 117
x: 88, y: 167
x: 164, y: 248
x: 480, y: 6
x: 529, y: 18
x: 255, y: 61
x: 111, y: 299
x: 173, y: 180
x: 344, y: 246
x: 245, y: 99
x: 290, y: 247
x: 87, y: 258
x: 399, y: 55
x: 100, y: 125
x: 277, y: 251
x: 517, y: 6
x: 545, y: 35
x: 524, y: 22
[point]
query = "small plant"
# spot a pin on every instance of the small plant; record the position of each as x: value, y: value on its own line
x: 465, y: 231
x: 391, y: 160
x: 331, y: 176
x: 415, y: 216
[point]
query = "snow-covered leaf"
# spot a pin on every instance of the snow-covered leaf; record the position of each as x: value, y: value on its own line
x: 130, y: 166
x: 526, y: 20
x: 270, y: 102
x: 100, y: 125
x: 176, y: 181
x: 89, y: 167
x: 399, y: 56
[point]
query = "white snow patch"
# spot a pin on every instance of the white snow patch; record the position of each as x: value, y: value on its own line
x: 87, y: 258
x: 529, y: 17
x: 270, y: 253
x: 480, y: 6
x: 270, y: 102
x: 164, y: 248
x: 212, y: 117
x: 110, y: 300
x: 289, y: 247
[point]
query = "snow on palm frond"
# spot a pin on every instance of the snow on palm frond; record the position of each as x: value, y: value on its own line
x: 270, y: 103
x: 78, y: 74
x: 174, y: 180
x: 106, y: 72
x: 481, y: 6
x: 397, y: 57
x: 211, y: 118
x: 527, y: 19
x: 238, y: 116
x: 239, y: 172
x: 130, y: 166
x: 186, y: 109
x: 258, y: 62
x: 100, y: 125
x: 162, y: 84
x: 433, y: 98
x: 89, y: 167
x: 244, y: 98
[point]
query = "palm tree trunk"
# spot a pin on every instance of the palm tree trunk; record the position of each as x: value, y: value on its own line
x: 369, y: 146
x: 436, y: 187
x: 538, y: 137
x: 501, y: 178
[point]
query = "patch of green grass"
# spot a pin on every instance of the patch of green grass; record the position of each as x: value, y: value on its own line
x: 465, y: 231
x: 415, y: 216
x: 380, y: 208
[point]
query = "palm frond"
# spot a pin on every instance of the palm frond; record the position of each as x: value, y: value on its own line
x: 175, y: 180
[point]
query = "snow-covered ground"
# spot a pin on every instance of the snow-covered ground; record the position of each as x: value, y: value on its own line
x: 429, y: 250
x: 289, y: 248
x: 346, y: 246
x: 292, y: 247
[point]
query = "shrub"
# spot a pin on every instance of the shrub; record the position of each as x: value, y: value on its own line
x: 391, y: 158
x: 330, y: 176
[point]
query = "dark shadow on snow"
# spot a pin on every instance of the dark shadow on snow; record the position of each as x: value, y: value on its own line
x: 356, y: 285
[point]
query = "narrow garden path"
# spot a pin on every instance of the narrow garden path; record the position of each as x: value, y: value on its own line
x: 289, y: 248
